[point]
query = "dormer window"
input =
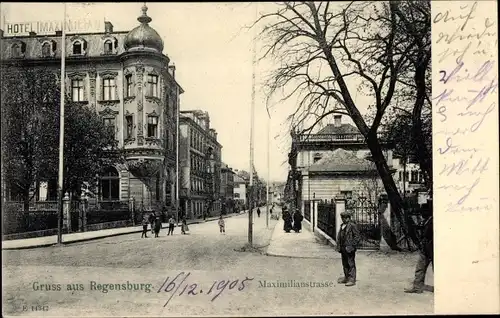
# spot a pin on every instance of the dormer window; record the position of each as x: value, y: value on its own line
x: 46, y: 50
x: 77, y: 48
x: 79, y: 45
x: 17, y: 50
x: 108, y: 47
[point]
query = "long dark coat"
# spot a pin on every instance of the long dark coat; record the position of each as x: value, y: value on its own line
x: 297, y: 221
x: 287, y: 219
x: 157, y: 225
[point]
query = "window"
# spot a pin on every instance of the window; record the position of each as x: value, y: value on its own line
x: 317, y: 157
x: 16, y: 50
x: 414, y: 176
x: 152, y: 126
x: 110, y: 184
x: 110, y: 124
x: 129, y: 120
x: 236, y: 195
x: 77, y: 48
x: 152, y: 85
x: 108, y: 89
x: 108, y: 47
x: 77, y: 90
x: 128, y: 85
x: 46, y: 51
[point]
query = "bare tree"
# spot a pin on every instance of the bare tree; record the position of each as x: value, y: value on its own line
x: 325, y: 52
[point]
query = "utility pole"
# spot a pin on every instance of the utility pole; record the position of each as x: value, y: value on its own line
x: 268, y: 169
x: 61, y: 132
x: 252, y: 120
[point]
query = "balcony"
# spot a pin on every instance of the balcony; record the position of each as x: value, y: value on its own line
x: 336, y: 138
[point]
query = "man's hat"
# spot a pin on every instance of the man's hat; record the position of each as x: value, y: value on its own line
x: 345, y: 214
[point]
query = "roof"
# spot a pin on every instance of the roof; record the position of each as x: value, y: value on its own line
x: 238, y: 179
x: 342, y: 129
x: 341, y: 160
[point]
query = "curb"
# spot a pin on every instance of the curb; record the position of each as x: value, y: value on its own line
x: 104, y: 236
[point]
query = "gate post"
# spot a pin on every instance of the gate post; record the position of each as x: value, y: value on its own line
x: 384, y: 220
x: 339, y: 208
x: 131, y: 208
x: 66, y: 212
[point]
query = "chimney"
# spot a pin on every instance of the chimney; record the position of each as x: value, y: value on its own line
x: 171, y: 68
x: 108, y: 27
x: 337, y: 120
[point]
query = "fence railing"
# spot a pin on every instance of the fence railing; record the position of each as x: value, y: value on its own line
x: 348, y: 137
x: 326, y: 217
x: 307, y: 210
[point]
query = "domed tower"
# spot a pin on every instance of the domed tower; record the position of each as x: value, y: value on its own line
x: 151, y: 102
x: 143, y: 37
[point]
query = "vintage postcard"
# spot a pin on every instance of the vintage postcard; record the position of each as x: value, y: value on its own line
x: 249, y: 159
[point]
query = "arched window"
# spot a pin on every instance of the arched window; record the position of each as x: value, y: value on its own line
x: 317, y: 157
x: 46, y: 51
x: 108, y: 47
x: 110, y: 184
x: 16, y: 50
x: 77, y: 48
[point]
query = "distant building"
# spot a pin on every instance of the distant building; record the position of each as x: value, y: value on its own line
x: 126, y: 78
x: 200, y: 165
x: 227, y: 188
x: 240, y: 191
x: 331, y: 162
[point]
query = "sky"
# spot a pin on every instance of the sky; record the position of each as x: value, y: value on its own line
x: 212, y: 51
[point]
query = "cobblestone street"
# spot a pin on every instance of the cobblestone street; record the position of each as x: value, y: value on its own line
x: 206, y: 258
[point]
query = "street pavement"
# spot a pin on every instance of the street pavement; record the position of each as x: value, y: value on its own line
x: 203, y: 273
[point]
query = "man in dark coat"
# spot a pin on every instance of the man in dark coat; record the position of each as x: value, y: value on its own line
x: 426, y: 253
x: 348, y: 240
x: 151, y: 219
x: 287, y: 220
x: 297, y: 221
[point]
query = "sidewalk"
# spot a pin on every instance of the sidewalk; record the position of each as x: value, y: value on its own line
x: 298, y: 245
x: 87, y: 236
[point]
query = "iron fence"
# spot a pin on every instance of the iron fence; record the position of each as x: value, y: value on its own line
x: 326, y: 217
x: 307, y: 210
x: 365, y: 214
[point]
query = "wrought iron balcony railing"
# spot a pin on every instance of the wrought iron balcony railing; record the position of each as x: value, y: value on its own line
x: 340, y: 138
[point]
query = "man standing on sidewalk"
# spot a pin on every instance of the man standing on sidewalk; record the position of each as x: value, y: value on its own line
x: 348, y: 240
x: 426, y: 254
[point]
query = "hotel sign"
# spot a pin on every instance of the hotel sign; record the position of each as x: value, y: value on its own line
x: 50, y: 27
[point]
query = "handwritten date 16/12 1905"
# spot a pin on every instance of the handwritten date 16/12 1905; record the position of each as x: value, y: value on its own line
x: 178, y: 285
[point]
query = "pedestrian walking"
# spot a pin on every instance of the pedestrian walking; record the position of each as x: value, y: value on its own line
x: 171, y: 225
x: 287, y: 220
x: 297, y: 221
x: 157, y: 226
x: 151, y: 219
x: 426, y: 250
x: 184, y: 226
x: 348, y: 240
x: 222, y: 225
x: 144, y: 227
x: 258, y: 212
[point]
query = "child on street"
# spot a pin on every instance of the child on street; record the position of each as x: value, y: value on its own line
x: 171, y: 225
x: 222, y: 225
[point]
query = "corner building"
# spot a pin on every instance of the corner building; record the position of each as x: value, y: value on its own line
x: 130, y: 83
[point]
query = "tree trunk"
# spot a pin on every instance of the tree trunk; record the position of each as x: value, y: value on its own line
x: 391, y: 190
x: 423, y: 155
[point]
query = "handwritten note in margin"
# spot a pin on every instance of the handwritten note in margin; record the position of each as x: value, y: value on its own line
x: 465, y: 152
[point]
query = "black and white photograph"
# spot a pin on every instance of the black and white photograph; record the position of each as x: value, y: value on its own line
x: 242, y: 159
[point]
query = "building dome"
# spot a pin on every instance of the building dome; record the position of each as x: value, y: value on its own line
x: 143, y: 37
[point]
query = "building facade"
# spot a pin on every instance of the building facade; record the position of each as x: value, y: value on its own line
x: 128, y: 80
x: 227, y: 189
x: 240, y: 192
x: 331, y: 162
x: 200, y: 165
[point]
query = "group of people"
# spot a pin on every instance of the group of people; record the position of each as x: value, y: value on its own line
x: 349, y: 238
x: 155, y: 222
x: 292, y: 222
